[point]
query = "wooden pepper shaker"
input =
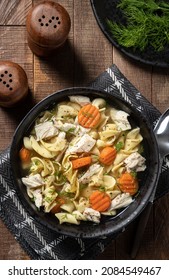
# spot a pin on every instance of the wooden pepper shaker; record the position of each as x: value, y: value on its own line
x: 13, y: 83
x: 48, y: 25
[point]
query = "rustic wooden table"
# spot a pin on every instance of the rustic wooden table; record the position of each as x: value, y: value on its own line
x: 86, y: 55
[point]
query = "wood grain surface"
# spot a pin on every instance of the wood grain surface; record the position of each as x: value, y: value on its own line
x: 86, y: 54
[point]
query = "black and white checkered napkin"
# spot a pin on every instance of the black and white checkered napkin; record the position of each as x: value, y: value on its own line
x: 42, y: 243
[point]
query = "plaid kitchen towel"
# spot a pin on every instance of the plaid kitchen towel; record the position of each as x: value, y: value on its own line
x: 41, y: 243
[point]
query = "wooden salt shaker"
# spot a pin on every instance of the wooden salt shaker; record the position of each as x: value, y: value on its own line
x: 13, y: 83
x: 48, y: 25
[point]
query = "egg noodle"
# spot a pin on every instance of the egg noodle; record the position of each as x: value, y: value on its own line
x: 82, y: 160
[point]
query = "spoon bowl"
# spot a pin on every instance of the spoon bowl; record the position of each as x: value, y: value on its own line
x: 161, y: 131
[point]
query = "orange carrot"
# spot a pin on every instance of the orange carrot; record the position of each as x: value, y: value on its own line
x: 60, y: 201
x: 128, y: 184
x: 107, y: 155
x: 25, y: 155
x: 99, y: 201
x: 89, y: 116
x: 80, y: 162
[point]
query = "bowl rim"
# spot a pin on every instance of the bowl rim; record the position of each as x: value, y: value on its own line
x: 30, y: 118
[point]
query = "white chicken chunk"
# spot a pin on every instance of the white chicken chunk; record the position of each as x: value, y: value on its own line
x: 92, y: 215
x: 120, y: 201
x: 81, y: 100
x: 120, y: 119
x: 66, y: 127
x: 74, y: 129
x: 33, y: 181
x: 135, y: 162
x: 45, y: 130
x: 80, y: 130
x: 37, y: 194
x: 62, y: 135
x: 93, y: 169
x: 84, y: 145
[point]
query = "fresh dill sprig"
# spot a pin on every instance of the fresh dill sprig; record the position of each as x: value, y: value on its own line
x: 147, y: 24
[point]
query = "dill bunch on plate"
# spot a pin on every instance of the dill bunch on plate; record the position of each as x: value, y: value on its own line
x: 147, y: 24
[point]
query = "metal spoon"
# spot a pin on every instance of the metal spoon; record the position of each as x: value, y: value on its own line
x: 161, y: 132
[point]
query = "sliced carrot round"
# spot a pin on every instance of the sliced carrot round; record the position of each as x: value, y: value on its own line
x: 89, y: 116
x: 99, y: 201
x: 25, y: 155
x: 128, y: 184
x: 107, y: 155
x: 81, y: 162
x: 59, y: 202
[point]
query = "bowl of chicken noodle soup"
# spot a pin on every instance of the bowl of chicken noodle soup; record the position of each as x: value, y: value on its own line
x: 84, y: 162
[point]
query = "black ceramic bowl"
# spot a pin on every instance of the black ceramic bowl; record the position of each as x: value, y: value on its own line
x: 148, y: 179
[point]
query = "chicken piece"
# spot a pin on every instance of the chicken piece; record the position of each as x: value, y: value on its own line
x: 66, y: 127
x: 45, y: 130
x: 92, y: 215
x: 93, y: 169
x: 135, y: 162
x: 37, y: 195
x: 120, y: 119
x: 81, y: 100
x: 74, y: 129
x: 80, y: 130
x: 84, y: 145
x: 33, y: 181
x: 120, y: 201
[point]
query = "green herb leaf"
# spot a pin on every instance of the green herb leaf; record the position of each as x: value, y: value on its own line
x: 133, y: 174
x: 119, y: 146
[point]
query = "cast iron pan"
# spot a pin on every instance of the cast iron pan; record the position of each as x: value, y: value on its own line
x: 148, y: 179
x: 107, y: 9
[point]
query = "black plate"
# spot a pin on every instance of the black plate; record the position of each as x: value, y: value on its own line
x: 148, y: 181
x: 107, y: 9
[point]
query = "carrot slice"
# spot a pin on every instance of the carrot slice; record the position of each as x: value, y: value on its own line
x: 107, y: 155
x: 99, y: 201
x: 60, y: 201
x: 80, y: 162
x: 89, y: 116
x: 128, y: 183
x: 25, y: 155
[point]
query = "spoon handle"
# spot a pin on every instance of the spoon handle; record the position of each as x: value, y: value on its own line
x: 143, y: 219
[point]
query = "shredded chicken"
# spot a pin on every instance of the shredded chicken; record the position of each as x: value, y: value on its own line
x: 92, y: 215
x: 120, y: 201
x: 33, y: 181
x: 135, y: 162
x: 45, y: 130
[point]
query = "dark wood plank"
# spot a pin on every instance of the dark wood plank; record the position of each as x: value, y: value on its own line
x: 90, y: 45
x: 161, y: 232
x: 14, y: 12
x: 9, y: 247
x: 160, y: 83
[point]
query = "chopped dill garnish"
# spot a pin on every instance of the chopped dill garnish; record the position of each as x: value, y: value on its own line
x: 141, y: 149
x: 102, y: 189
x: 82, y: 186
x: 147, y: 24
x: 48, y: 199
x: 119, y: 146
x: 133, y: 174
